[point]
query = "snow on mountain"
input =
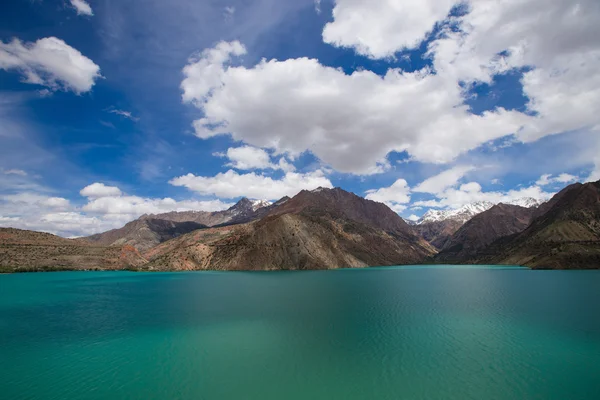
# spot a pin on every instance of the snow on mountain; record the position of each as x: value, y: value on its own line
x: 462, y: 214
x: 468, y: 211
x: 526, y: 202
x: 256, y: 204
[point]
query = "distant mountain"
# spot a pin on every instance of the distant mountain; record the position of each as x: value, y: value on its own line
x: 22, y: 250
x: 482, y: 230
x: 320, y: 229
x: 437, y: 226
x: 564, y: 234
x: 468, y: 211
x: 150, y: 230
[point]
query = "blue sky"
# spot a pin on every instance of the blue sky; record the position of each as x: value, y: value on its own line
x: 123, y: 108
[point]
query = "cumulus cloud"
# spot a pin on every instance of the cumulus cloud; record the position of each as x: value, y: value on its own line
x: 396, y: 196
x: 34, y: 199
x: 472, y: 192
x: 439, y: 183
x: 548, y: 179
x: 448, y: 192
x: 82, y: 7
x: 248, y: 158
x: 134, y: 206
x: 204, y: 72
x: 555, y: 40
x: 97, y: 190
x: 413, y: 218
x: 50, y: 62
x: 380, y: 29
x: 349, y: 122
x: 106, y: 208
x: 231, y: 184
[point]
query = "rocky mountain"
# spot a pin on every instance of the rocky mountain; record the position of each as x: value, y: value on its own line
x: 437, y: 226
x: 320, y: 229
x: 145, y: 232
x: 564, y: 234
x: 244, y: 210
x: 482, y: 230
x: 150, y: 230
x: 22, y: 250
x: 437, y: 233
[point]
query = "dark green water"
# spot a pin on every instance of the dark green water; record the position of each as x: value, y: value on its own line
x: 405, y: 333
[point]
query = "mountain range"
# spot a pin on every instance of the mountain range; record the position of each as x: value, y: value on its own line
x: 438, y: 226
x: 329, y: 228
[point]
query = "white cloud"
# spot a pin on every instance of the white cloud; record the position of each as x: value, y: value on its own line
x: 82, y: 7
x: 548, y: 179
x: 107, y: 208
x: 19, y: 172
x: 134, y: 206
x: 205, y: 71
x: 98, y: 190
x: 348, y: 121
x: 439, y: 183
x: 472, y: 192
x: 396, y: 196
x: 413, y: 218
x: 595, y: 174
x: 231, y: 184
x: 34, y: 199
x: 248, y: 158
x: 554, y: 39
x: 380, y: 29
x: 126, y: 114
x: 50, y: 62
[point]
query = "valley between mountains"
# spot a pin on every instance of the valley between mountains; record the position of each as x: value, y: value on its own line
x: 327, y: 229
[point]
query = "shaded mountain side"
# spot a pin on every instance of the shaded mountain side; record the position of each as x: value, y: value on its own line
x: 482, y: 230
x: 286, y: 242
x: 144, y: 233
x: 566, y: 236
x: 151, y: 230
x: 437, y: 233
x: 338, y: 203
x: 22, y: 250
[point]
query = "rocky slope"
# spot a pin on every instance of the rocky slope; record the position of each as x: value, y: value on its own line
x: 565, y: 234
x: 22, y: 250
x: 437, y: 233
x: 151, y: 230
x: 322, y: 229
x: 482, y: 230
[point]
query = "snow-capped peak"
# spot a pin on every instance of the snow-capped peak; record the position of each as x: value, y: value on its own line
x: 462, y: 214
x: 256, y: 204
x: 526, y: 202
x: 468, y: 211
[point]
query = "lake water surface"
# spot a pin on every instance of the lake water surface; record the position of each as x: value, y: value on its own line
x: 382, y: 333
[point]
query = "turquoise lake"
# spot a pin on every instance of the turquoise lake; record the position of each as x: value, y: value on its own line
x: 381, y: 333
